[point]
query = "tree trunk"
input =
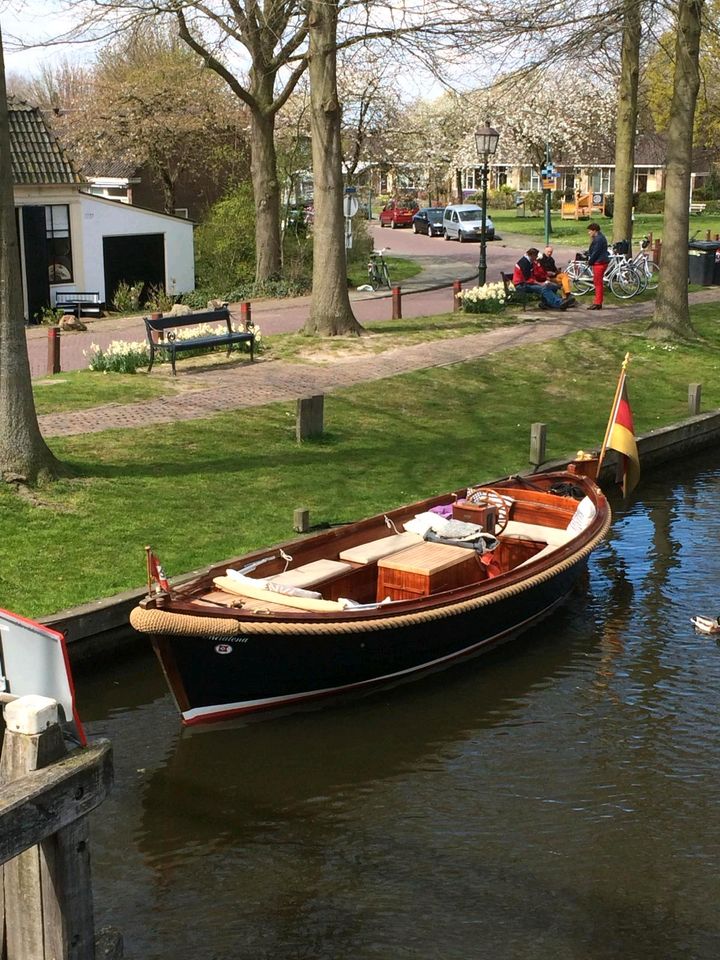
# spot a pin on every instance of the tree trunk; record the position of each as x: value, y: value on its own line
x: 626, y: 124
x: 23, y: 452
x: 330, y: 311
x: 266, y: 190
x: 671, y: 319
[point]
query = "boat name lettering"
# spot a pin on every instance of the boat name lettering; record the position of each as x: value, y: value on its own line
x: 219, y: 639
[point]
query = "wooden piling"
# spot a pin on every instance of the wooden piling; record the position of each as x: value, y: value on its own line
x: 46, y: 797
x: 53, y: 359
x: 301, y: 520
x: 246, y: 314
x: 694, y: 397
x: 396, y: 303
x: 457, y: 290
x: 309, y: 419
x: 538, y: 438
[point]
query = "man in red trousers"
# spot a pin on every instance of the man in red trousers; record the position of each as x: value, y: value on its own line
x: 598, y: 261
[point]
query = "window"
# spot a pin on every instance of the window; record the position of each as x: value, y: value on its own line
x: 471, y: 178
x: 57, y: 228
x: 535, y: 181
x: 602, y: 180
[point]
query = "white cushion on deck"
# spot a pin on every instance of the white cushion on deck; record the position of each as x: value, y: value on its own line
x: 376, y: 549
x: 309, y: 574
x: 534, y: 531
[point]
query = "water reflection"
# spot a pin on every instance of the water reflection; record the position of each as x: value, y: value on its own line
x: 556, y: 800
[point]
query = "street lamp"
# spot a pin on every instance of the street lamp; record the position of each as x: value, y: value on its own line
x: 486, y: 142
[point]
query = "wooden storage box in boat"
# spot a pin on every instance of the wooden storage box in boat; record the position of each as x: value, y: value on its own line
x: 425, y: 569
x: 483, y: 516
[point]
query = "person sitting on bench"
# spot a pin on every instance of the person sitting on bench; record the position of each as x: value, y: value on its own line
x: 525, y: 280
x: 546, y: 263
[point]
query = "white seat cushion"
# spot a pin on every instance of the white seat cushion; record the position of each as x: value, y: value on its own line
x: 309, y: 574
x: 376, y: 549
x: 534, y: 531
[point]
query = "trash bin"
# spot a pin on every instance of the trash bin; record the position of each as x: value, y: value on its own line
x: 704, y: 262
x: 519, y: 205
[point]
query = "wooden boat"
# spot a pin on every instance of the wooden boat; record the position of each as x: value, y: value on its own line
x: 385, y: 603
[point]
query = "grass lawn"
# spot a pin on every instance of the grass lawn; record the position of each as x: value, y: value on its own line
x: 202, y: 491
x: 399, y: 268
x: 574, y: 232
x: 83, y: 388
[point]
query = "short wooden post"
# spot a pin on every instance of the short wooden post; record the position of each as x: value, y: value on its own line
x: 694, y: 397
x: 657, y: 251
x: 396, y: 303
x: 301, y: 520
x: 246, y: 314
x: 538, y: 437
x: 53, y: 360
x: 309, y: 421
x: 457, y: 290
x: 708, y: 234
x: 48, y: 896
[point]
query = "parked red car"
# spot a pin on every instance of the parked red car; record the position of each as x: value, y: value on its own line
x: 398, y: 213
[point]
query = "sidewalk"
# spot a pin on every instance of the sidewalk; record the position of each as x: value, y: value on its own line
x: 272, y: 381
x: 428, y: 293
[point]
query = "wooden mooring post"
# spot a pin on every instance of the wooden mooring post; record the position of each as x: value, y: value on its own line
x: 457, y: 290
x: 53, y: 361
x: 47, y: 793
x: 694, y: 398
x: 310, y: 416
x: 538, y: 439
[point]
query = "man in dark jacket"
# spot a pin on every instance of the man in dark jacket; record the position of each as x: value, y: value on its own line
x: 598, y: 261
x: 524, y: 281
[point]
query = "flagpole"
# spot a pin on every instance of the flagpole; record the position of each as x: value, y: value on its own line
x: 613, y: 410
x: 149, y: 572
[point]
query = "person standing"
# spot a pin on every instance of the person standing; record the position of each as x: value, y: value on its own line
x: 597, y: 261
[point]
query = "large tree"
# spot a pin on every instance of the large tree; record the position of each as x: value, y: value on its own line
x: 626, y: 124
x: 24, y: 455
x: 672, y: 314
x: 330, y: 311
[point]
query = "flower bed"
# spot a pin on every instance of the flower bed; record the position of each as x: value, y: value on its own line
x: 124, y: 356
x: 489, y: 298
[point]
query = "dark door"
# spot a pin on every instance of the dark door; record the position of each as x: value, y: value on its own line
x: 139, y: 258
x: 37, y: 282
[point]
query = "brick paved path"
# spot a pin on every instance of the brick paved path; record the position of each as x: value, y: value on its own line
x: 271, y: 381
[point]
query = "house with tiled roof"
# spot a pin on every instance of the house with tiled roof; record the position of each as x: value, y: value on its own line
x: 74, y: 241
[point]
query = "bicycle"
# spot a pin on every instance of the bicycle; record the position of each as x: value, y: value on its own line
x: 647, y: 268
x: 378, y: 275
x: 622, y: 277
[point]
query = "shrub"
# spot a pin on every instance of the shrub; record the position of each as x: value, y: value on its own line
x: 503, y: 198
x: 127, y: 297
x: 158, y: 300
x: 225, y: 242
x: 651, y: 202
x: 487, y: 299
x: 49, y: 316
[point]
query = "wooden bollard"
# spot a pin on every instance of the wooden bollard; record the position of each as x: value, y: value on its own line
x: 309, y: 420
x: 301, y: 520
x: 694, y: 396
x: 457, y: 290
x: 708, y: 234
x: 53, y: 360
x: 657, y: 251
x: 246, y: 314
x: 396, y: 303
x: 538, y: 437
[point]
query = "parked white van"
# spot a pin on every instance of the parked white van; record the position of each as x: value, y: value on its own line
x: 463, y: 221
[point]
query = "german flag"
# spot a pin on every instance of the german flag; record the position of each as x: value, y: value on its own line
x: 620, y: 435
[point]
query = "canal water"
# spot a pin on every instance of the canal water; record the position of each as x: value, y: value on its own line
x: 557, y: 800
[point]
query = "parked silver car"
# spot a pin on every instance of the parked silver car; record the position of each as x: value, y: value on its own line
x: 463, y: 221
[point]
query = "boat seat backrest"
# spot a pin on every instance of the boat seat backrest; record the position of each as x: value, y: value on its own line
x: 311, y: 574
x: 377, y: 549
x: 552, y: 536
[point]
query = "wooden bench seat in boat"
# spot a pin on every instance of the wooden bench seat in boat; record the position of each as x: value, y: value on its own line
x: 311, y: 574
x: 427, y: 568
x: 377, y: 549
